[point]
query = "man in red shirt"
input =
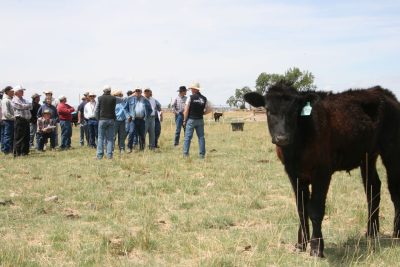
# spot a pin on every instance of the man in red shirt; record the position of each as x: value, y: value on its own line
x: 64, y: 114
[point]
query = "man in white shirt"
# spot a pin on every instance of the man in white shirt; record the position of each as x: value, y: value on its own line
x: 90, y: 115
x: 150, y: 121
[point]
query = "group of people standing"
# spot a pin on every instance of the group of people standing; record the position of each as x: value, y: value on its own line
x: 103, y: 120
x: 114, y: 116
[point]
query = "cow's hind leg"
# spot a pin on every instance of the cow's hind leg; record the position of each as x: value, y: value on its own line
x: 302, y: 193
x: 372, y: 187
x: 393, y: 178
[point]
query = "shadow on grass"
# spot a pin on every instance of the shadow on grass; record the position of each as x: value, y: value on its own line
x: 358, y: 249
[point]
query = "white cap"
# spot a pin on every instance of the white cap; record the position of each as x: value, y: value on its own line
x: 60, y: 98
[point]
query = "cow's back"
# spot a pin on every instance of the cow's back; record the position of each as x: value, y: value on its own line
x: 351, y: 124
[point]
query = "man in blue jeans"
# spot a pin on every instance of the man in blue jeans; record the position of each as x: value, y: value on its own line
x: 65, y: 115
x: 178, y: 108
x: 105, y: 115
x: 8, y: 118
x: 196, y: 106
x: 139, y: 110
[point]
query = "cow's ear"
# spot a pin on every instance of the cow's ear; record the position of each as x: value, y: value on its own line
x: 312, y: 97
x: 255, y: 99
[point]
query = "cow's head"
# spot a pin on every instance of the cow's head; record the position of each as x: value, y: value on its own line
x: 284, y: 105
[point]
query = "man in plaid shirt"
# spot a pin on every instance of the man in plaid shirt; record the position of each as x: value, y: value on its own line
x: 45, y: 130
x: 22, y: 113
x: 178, y: 108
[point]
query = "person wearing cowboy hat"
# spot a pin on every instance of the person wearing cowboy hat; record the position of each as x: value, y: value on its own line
x: 196, y: 106
x: 8, y: 118
x: 178, y: 107
x: 90, y: 117
x: 45, y: 130
x: 33, y: 120
x: 22, y: 112
x: 83, y: 133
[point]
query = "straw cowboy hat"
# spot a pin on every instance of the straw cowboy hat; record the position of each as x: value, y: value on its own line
x: 117, y: 93
x: 195, y: 85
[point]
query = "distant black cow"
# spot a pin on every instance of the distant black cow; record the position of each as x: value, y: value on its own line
x: 342, y: 132
x: 74, y: 118
x: 217, y: 115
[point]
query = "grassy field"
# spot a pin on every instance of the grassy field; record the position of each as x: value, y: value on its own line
x: 235, y: 208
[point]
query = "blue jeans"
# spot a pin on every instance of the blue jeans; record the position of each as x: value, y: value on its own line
x: 179, y: 122
x: 92, y: 129
x: 8, y: 137
x: 32, y: 134
x: 66, y: 134
x: 1, y: 132
x: 120, y: 132
x: 140, y: 129
x: 191, y: 125
x: 157, y: 130
x: 132, y: 137
x: 105, y: 134
x: 84, y: 133
x: 150, y: 129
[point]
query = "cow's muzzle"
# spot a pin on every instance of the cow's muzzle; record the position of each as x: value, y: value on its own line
x: 280, y: 140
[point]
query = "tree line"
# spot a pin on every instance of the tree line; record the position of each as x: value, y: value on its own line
x: 301, y: 80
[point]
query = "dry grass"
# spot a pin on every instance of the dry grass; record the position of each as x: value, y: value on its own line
x: 235, y: 208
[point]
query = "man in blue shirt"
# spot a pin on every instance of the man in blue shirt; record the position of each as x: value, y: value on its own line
x: 139, y: 109
x: 120, y: 117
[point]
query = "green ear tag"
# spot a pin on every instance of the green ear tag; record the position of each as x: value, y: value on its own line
x: 306, y: 111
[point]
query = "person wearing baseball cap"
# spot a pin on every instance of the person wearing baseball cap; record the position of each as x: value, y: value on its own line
x: 178, y: 107
x: 65, y: 115
x: 196, y: 106
x: 33, y: 120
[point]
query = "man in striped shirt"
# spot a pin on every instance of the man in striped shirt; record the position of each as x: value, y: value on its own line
x: 22, y: 113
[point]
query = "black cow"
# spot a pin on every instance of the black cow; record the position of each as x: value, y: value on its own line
x: 217, y: 115
x: 342, y: 132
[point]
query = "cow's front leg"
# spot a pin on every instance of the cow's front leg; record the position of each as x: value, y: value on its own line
x: 302, y: 193
x: 320, y: 186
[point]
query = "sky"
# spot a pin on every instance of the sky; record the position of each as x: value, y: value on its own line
x: 74, y: 46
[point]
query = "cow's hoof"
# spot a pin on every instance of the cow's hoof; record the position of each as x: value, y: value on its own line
x: 396, y: 234
x: 316, y: 253
x: 300, y: 247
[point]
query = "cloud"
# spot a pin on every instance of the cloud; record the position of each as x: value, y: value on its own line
x: 74, y: 45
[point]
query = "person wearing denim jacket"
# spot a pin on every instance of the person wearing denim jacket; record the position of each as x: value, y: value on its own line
x: 120, y: 118
x: 139, y: 110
